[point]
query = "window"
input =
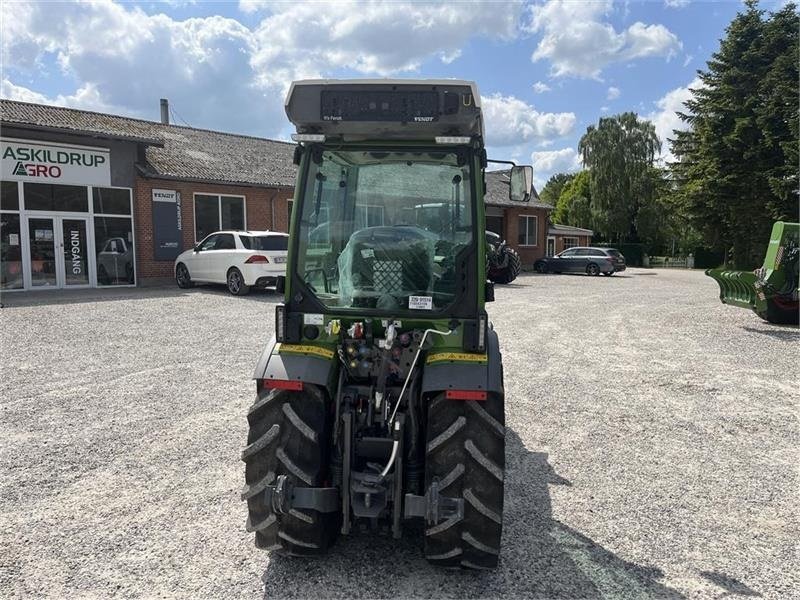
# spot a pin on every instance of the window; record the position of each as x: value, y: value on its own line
x: 385, y: 230
x: 570, y: 242
x: 568, y: 253
x: 50, y: 197
x: 10, y: 252
x: 111, y: 201
x: 9, y: 196
x: 368, y: 215
x: 225, y: 242
x: 209, y: 243
x: 113, y: 238
x: 212, y: 213
x: 528, y: 230
x: 265, y: 242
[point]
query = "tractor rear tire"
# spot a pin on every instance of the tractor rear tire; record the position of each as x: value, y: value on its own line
x: 465, y: 454
x: 511, y: 270
x: 287, y: 436
x: 780, y: 313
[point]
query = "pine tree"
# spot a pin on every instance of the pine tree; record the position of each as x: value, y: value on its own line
x: 737, y: 164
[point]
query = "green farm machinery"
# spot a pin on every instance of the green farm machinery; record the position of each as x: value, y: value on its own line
x: 380, y: 400
x: 771, y: 291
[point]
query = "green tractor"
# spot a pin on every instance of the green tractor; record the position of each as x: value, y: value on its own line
x: 380, y: 400
x: 772, y: 290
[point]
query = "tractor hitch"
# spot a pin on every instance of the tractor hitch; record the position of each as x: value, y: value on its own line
x: 433, y: 507
x: 283, y: 496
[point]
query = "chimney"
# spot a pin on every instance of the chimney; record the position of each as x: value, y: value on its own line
x: 165, y: 111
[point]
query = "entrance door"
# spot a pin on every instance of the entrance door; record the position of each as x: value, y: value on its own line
x: 59, y: 252
x: 74, y: 251
x: 551, y: 246
x: 43, y: 243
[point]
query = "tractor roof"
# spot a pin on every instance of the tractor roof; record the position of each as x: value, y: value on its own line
x: 386, y: 109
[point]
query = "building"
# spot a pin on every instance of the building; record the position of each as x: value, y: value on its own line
x: 523, y: 225
x: 91, y: 199
x: 561, y: 237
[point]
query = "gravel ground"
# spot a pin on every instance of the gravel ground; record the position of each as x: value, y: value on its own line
x: 652, y: 449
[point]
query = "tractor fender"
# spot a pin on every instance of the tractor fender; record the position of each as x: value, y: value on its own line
x: 486, y: 376
x: 296, y: 367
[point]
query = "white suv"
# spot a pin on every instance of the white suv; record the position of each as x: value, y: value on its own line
x: 239, y: 259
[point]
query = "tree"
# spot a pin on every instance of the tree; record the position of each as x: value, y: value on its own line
x: 618, y: 153
x: 737, y: 163
x: 574, y: 205
x: 552, y: 189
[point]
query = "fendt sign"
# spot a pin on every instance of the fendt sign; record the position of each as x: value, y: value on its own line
x: 23, y: 160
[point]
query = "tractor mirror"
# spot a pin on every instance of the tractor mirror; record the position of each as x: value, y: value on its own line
x: 521, y: 183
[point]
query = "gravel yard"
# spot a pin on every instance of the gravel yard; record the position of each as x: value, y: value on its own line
x: 652, y: 449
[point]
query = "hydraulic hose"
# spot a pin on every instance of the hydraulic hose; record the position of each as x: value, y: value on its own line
x: 414, y: 364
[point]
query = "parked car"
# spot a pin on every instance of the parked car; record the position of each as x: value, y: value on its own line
x: 239, y: 259
x: 591, y: 261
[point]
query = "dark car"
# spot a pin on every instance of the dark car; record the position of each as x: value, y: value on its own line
x: 591, y: 261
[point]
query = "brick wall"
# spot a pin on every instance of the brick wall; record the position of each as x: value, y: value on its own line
x: 530, y: 253
x: 259, y: 203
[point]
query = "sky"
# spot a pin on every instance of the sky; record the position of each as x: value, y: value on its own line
x: 546, y: 70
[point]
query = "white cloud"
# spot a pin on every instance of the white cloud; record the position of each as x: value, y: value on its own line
x: 86, y: 97
x: 676, y: 3
x: 666, y: 119
x: 220, y: 73
x: 550, y: 162
x: 578, y: 41
x: 688, y: 59
x: 540, y: 87
x: 510, y: 121
x: 613, y: 93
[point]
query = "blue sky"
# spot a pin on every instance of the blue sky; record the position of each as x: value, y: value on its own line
x: 546, y: 70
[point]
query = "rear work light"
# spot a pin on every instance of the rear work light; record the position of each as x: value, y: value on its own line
x: 256, y: 258
x: 308, y: 137
x: 465, y: 395
x: 282, y: 384
x: 452, y: 139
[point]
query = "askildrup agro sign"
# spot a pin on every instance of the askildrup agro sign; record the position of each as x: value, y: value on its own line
x: 24, y: 160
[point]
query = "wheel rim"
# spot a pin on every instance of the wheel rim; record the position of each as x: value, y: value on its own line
x: 183, y: 275
x: 234, y: 282
x: 593, y: 270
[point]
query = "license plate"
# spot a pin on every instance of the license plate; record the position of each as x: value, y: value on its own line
x: 280, y: 259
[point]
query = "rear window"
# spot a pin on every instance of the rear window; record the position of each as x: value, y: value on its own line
x: 265, y: 242
x: 613, y: 252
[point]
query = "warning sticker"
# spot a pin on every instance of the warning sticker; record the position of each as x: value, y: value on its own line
x: 303, y: 349
x: 313, y: 319
x: 420, y: 302
x: 456, y: 357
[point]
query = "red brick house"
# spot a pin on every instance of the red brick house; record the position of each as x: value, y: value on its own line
x: 561, y: 237
x: 523, y: 225
x: 94, y: 200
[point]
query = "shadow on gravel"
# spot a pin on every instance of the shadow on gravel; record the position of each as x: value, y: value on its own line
x: 787, y: 333
x: 541, y: 557
x: 729, y: 584
x: 83, y: 296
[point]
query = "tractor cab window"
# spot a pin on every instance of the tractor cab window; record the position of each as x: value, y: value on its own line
x: 383, y: 230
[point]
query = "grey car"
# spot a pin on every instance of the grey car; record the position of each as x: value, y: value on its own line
x: 591, y: 261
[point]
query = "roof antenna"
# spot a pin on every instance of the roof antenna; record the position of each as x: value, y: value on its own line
x: 165, y: 111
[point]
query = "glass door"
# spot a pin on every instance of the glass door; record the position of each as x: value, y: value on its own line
x: 74, y: 245
x: 42, y: 236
